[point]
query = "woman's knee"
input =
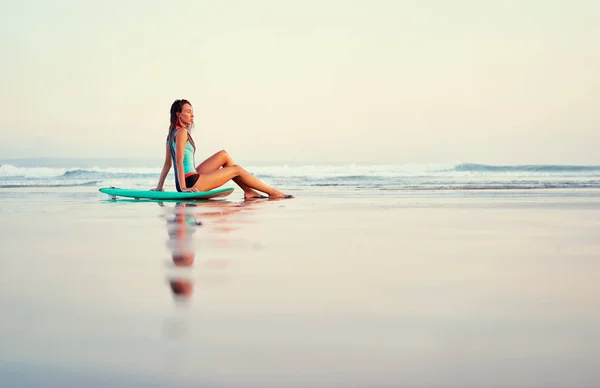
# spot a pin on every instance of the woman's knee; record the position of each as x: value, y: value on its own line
x: 237, y: 170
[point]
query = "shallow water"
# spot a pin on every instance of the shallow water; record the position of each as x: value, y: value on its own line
x: 325, y: 290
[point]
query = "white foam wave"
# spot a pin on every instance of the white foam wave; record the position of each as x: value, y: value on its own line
x: 348, y: 170
x: 406, y: 171
x: 8, y: 170
x: 307, y: 172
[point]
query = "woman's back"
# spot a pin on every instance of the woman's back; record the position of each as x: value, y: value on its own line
x: 189, y: 165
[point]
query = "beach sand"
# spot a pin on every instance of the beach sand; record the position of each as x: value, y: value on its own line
x: 326, y: 290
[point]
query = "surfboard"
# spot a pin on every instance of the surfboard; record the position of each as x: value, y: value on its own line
x: 165, y: 195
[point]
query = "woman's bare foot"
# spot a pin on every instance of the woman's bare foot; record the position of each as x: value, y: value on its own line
x: 278, y: 195
x: 251, y: 194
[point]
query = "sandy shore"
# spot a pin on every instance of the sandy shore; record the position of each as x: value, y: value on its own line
x: 422, y: 290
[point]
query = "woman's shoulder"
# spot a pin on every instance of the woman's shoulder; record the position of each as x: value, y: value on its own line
x: 180, y: 133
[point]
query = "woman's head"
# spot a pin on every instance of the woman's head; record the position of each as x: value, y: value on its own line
x: 182, y: 114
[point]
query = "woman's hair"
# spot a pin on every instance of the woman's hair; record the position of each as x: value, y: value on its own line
x: 176, y: 107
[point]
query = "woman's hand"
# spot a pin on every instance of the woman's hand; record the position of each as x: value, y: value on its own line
x: 188, y: 189
x: 157, y: 189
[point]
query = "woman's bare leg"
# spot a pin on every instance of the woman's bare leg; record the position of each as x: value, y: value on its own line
x: 217, y: 160
x: 211, y: 180
x: 222, y: 159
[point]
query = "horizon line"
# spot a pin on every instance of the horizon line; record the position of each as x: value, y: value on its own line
x: 159, y: 160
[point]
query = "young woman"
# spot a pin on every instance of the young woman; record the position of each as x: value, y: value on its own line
x: 210, y: 174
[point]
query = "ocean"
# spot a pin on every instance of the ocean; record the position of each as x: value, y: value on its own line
x: 29, y: 173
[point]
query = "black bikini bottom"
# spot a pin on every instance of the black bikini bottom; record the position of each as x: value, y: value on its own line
x: 191, y: 180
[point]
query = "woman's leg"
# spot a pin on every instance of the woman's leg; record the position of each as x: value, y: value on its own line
x: 212, y: 180
x: 216, y: 161
x: 222, y: 159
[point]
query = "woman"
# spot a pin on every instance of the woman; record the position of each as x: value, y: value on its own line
x: 210, y: 174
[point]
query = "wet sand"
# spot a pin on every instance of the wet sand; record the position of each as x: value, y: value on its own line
x: 331, y: 290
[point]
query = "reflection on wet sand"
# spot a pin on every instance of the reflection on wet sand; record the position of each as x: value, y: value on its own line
x: 183, y: 220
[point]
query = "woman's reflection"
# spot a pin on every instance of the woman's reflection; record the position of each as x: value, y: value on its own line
x: 182, y: 223
x: 181, y: 227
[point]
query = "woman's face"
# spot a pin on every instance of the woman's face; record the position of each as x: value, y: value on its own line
x: 186, y: 117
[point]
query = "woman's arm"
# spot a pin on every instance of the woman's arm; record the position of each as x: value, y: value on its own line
x: 165, y: 170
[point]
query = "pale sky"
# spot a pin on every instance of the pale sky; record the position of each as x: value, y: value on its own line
x: 424, y: 81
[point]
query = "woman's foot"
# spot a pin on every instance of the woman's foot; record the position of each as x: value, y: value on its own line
x: 279, y: 195
x: 251, y: 194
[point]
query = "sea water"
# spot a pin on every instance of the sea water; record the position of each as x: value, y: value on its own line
x: 139, y: 174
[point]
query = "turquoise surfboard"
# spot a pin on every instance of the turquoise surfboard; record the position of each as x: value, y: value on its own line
x: 165, y: 195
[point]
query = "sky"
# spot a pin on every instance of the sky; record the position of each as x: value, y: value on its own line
x: 424, y: 81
